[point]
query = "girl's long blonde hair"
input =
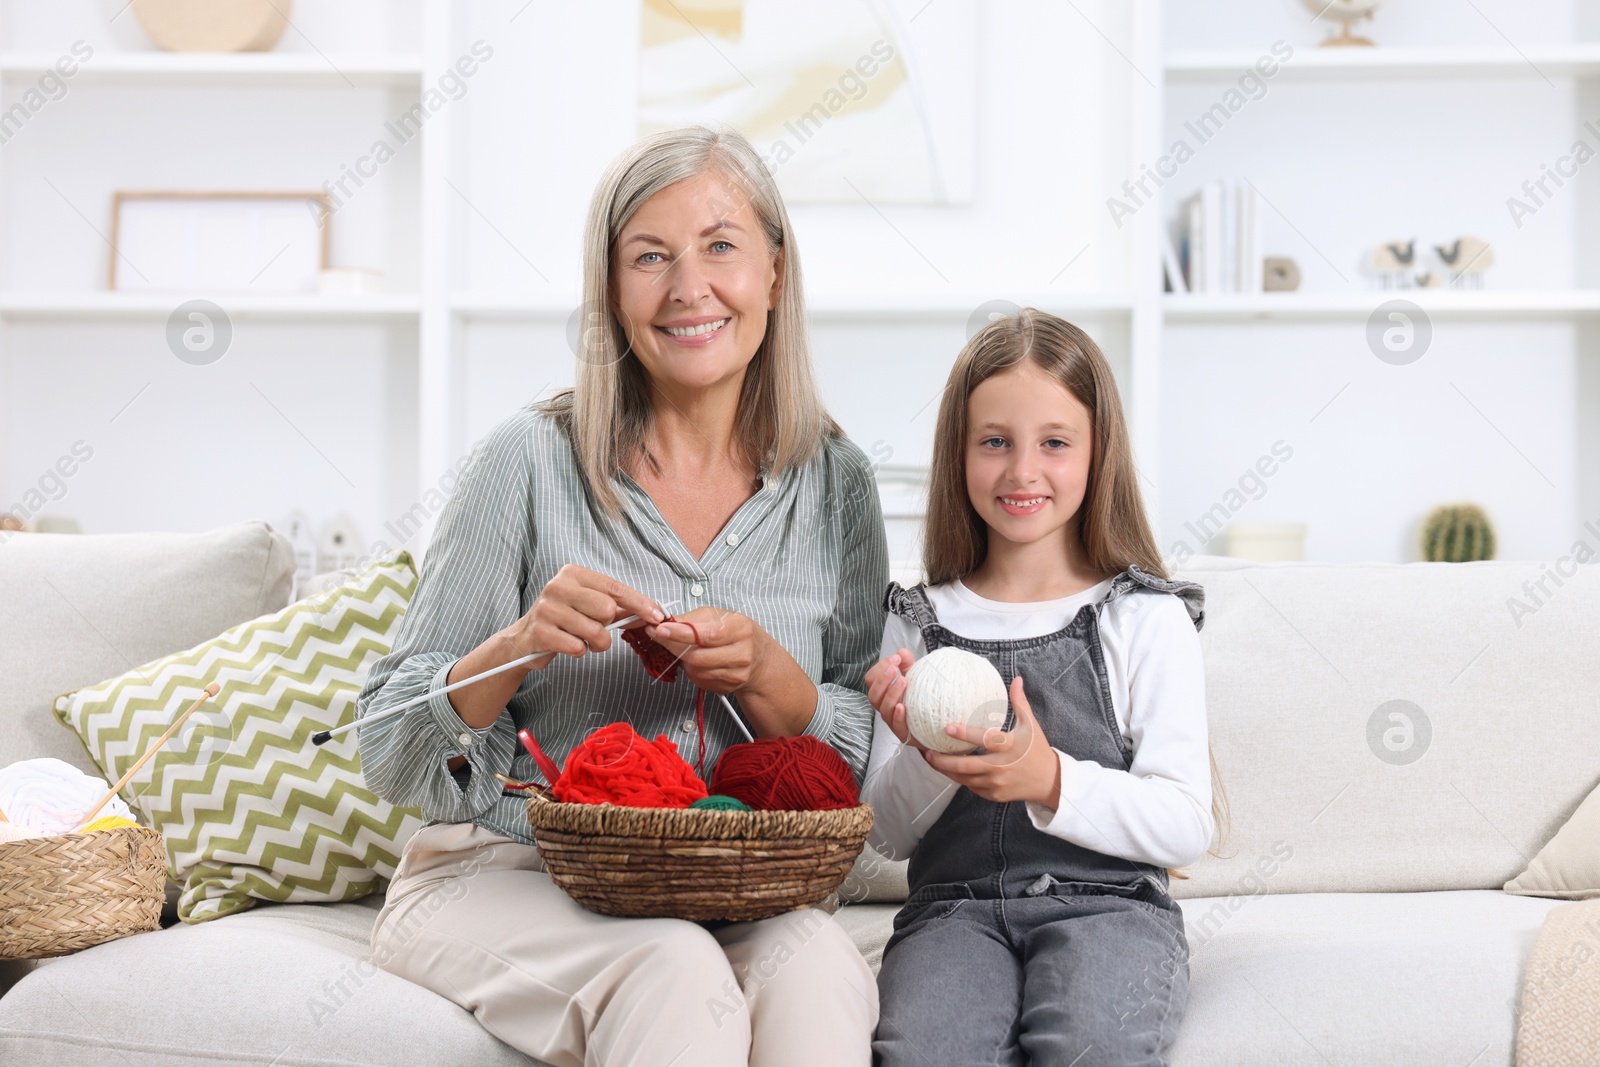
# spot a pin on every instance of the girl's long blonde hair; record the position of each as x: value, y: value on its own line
x: 1111, y: 522
x: 781, y: 420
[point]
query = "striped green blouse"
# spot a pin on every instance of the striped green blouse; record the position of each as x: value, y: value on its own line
x: 805, y: 557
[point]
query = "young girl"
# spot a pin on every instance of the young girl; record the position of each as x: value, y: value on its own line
x: 1039, y: 929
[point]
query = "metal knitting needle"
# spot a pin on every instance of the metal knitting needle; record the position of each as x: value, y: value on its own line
x: 324, y: 736
x: 734, y: 715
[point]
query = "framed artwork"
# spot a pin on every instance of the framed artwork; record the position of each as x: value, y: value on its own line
x: 218, y: 241
x: 845, y: 99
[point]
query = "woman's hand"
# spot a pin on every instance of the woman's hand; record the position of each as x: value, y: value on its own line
x: 723, y: 652
x: 569, y: 617
x: 572, y: 612
x: 1016, y: 764
x: 886, y: 690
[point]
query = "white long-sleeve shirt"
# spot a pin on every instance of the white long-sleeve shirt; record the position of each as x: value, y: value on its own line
x: 1158, y: 811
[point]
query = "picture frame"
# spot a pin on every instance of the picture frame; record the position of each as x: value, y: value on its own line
x: 218, y: 241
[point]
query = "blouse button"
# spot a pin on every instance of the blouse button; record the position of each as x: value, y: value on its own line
x: 465, y: 739
x: 697, y: 589
x: 733, y: 539
x: 687, y: 725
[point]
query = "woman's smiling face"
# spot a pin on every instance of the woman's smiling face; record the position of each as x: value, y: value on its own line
x: 692, y: 281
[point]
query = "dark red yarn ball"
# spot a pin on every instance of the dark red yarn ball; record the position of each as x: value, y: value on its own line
x: 786, y: 774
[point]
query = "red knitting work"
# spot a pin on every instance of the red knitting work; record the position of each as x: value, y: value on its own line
x: 659, y: 662
x: 662, y: 665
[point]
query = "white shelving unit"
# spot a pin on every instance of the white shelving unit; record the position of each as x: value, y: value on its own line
x: 205, y: 122
x: 1388, y: 63
x: 1438, y: 303
x: 49, y: 305
x: 472, y: 327
x: 1352, y: 147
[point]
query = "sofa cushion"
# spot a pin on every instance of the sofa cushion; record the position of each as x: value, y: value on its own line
x: 1312, y: 979
x: 1379, y: 979
x: 874, y: 879
x: 291, y: 981
x: 82, y: 608
x: 250, y: 808
x: 1494, y: 747
x: 1569, y: 864
x: 869, y: 927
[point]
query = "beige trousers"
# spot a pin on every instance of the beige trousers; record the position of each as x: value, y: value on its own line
x: 472, y: 915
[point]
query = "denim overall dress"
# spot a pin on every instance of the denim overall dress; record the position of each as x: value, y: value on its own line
x: 983, y: 876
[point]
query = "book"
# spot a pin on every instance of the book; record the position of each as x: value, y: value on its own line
x: 1170, y: 260
x: 1218, y: 246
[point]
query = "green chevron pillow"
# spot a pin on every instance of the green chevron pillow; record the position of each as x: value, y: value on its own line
x: 249, y: 807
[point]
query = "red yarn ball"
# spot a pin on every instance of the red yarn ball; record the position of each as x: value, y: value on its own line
x: 786, y: 774
x: 614, y: 765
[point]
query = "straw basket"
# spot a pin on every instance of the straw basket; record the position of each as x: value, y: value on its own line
x: 685, y: 863
x: 63, y: 893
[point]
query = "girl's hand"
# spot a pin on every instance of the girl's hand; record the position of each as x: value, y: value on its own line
x: 572, y: 612
x: 886, y: 690
x: 1016, y: 764
x: 723, y: 652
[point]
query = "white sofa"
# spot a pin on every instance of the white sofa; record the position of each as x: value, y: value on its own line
x: 1355, y: 919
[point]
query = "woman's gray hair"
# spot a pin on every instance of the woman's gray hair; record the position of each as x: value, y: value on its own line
x: 781, y: 419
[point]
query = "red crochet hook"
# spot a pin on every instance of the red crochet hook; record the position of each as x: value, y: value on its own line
x: 547, y: 766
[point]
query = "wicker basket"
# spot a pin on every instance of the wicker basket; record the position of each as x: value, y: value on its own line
x: 63, y: 893
x: 686, y: 863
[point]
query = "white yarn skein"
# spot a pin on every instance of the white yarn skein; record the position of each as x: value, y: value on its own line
x: 49, y: 796
x: 951, y: 686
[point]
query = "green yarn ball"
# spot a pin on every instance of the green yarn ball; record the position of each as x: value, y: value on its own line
x: 716, y: 802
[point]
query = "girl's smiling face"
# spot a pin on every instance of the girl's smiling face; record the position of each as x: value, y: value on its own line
x: 1027, y: 453
x: 692, y: 281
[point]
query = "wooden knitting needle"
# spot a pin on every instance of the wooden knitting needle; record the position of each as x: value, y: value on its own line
x: 324, y: 736
x: 211, y: 690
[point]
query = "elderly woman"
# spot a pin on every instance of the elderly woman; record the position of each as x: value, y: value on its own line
x: 693, y: 466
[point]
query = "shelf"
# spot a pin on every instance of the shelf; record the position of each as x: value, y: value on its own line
x: 945, y: 305
x: 1380, y: 63
x: 104, y: 305
x: 1358, y: 305
x: 875, y: 307
x: 486, y: 306
x: 282, y: 69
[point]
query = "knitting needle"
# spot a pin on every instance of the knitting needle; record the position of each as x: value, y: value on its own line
x: 734, y: 715
x: 533, y: 789
x: 546, y: 765
x: 324, y: 736
x: 211, y: 690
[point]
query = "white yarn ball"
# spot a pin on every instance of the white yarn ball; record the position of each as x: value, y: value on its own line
x: 951, y: 686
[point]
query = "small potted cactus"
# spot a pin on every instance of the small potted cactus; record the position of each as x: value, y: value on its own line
x: 1457, y: 533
